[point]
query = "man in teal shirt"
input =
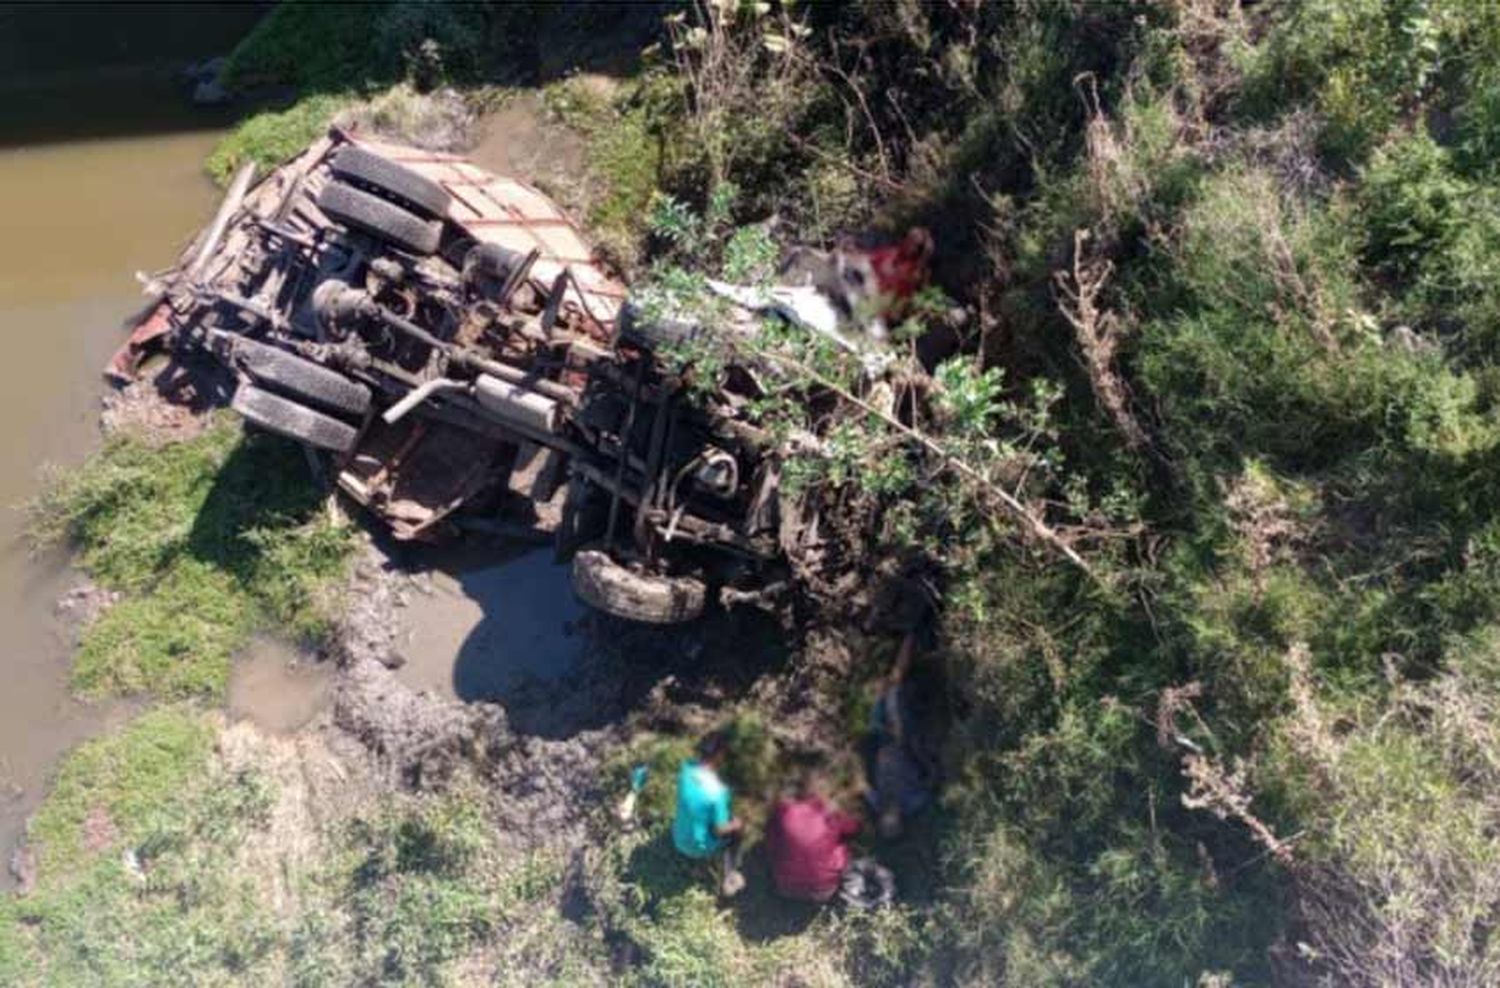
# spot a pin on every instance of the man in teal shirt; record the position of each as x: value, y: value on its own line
x: 705, y: 826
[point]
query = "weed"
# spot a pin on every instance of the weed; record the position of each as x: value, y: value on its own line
x: 414, y: 885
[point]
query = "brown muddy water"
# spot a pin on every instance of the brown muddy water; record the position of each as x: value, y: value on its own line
x: 486, y: 622
x: 79, y: 214
x: 278, y: 687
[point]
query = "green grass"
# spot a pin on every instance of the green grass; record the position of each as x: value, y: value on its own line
x: 332, y: 56
x: 312, y: 46
x: 624, y: 155
x: 177, y: 911
x: 128, y: 777
x: 147, y: 875
x: 408, y: 887
x: 209, y: 539
x: 273, y: 136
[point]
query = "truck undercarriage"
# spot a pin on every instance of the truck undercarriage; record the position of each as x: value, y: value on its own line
x: 443, y: 339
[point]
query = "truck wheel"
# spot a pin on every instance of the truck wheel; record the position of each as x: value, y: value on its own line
x: 298, y: 377
x: 653, y: 334
x: 368, y: 212
x: 604, y: 584
x: 287, y: 418
x: 419, y: 194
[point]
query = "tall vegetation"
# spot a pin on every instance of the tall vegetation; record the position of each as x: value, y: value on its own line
x: 1230, y: 276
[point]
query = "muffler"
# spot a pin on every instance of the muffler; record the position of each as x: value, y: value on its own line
x: 516, y: 405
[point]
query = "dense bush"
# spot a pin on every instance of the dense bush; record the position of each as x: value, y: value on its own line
x: 1290, y: 239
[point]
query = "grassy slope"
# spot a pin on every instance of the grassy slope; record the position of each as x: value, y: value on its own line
x: 1307, y: 329
x: 158, y: 863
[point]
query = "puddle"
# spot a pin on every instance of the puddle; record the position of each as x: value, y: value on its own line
x: 277, y: 688
x: 484, y: 629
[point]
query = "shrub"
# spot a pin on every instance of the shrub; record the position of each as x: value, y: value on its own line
x: 1399, y: 876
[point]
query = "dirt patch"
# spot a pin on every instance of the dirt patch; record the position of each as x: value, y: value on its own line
x: 140, y: 410
x: 420, y: 738
x: 169, y: 402
x: 519, y: 139
x: 314, y: 784
x: 544, y: 790
x: 23, y: 869
x: 537, y: 734
x: 372, y: 627
x: 99, y: 831
x: 82, y: 605
x: 442, y: 120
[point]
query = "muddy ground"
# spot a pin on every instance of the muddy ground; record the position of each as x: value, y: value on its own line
x: 541, y: 736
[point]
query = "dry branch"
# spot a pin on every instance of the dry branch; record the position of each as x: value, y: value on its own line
x: 1223, y: 792
x: 1099, y: 332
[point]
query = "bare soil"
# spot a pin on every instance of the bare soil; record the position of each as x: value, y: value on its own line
x: 82, y: 605
x: 518, y: 139
x: 169, y: 403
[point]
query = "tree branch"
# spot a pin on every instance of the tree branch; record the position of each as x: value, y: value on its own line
x: 1038, y: 528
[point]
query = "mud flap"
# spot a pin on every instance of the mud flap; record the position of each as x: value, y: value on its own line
x: 145, y: 340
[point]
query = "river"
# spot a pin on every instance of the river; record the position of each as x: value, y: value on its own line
x: 100, y: 176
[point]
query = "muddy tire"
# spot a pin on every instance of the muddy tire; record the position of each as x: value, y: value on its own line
x: 654, y: 334
x: 287, y: 418
x: 365, y: 168
x: 366, y: 211
x: 604, y: 584
x: 300, y: 378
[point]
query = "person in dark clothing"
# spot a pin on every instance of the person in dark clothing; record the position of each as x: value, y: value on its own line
x: 901, y: 764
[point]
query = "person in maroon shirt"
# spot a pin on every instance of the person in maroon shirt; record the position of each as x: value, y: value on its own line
x: 807, y: 841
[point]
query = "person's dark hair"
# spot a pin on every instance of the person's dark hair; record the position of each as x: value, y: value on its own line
x: 712, y: 745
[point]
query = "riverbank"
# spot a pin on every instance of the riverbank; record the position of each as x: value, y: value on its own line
x: 1201, y: 474
x: 464, y: 830
x: 81, y: 217
x: 429, y: 707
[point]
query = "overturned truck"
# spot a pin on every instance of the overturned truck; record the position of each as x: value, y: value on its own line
x: 444, y: 340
